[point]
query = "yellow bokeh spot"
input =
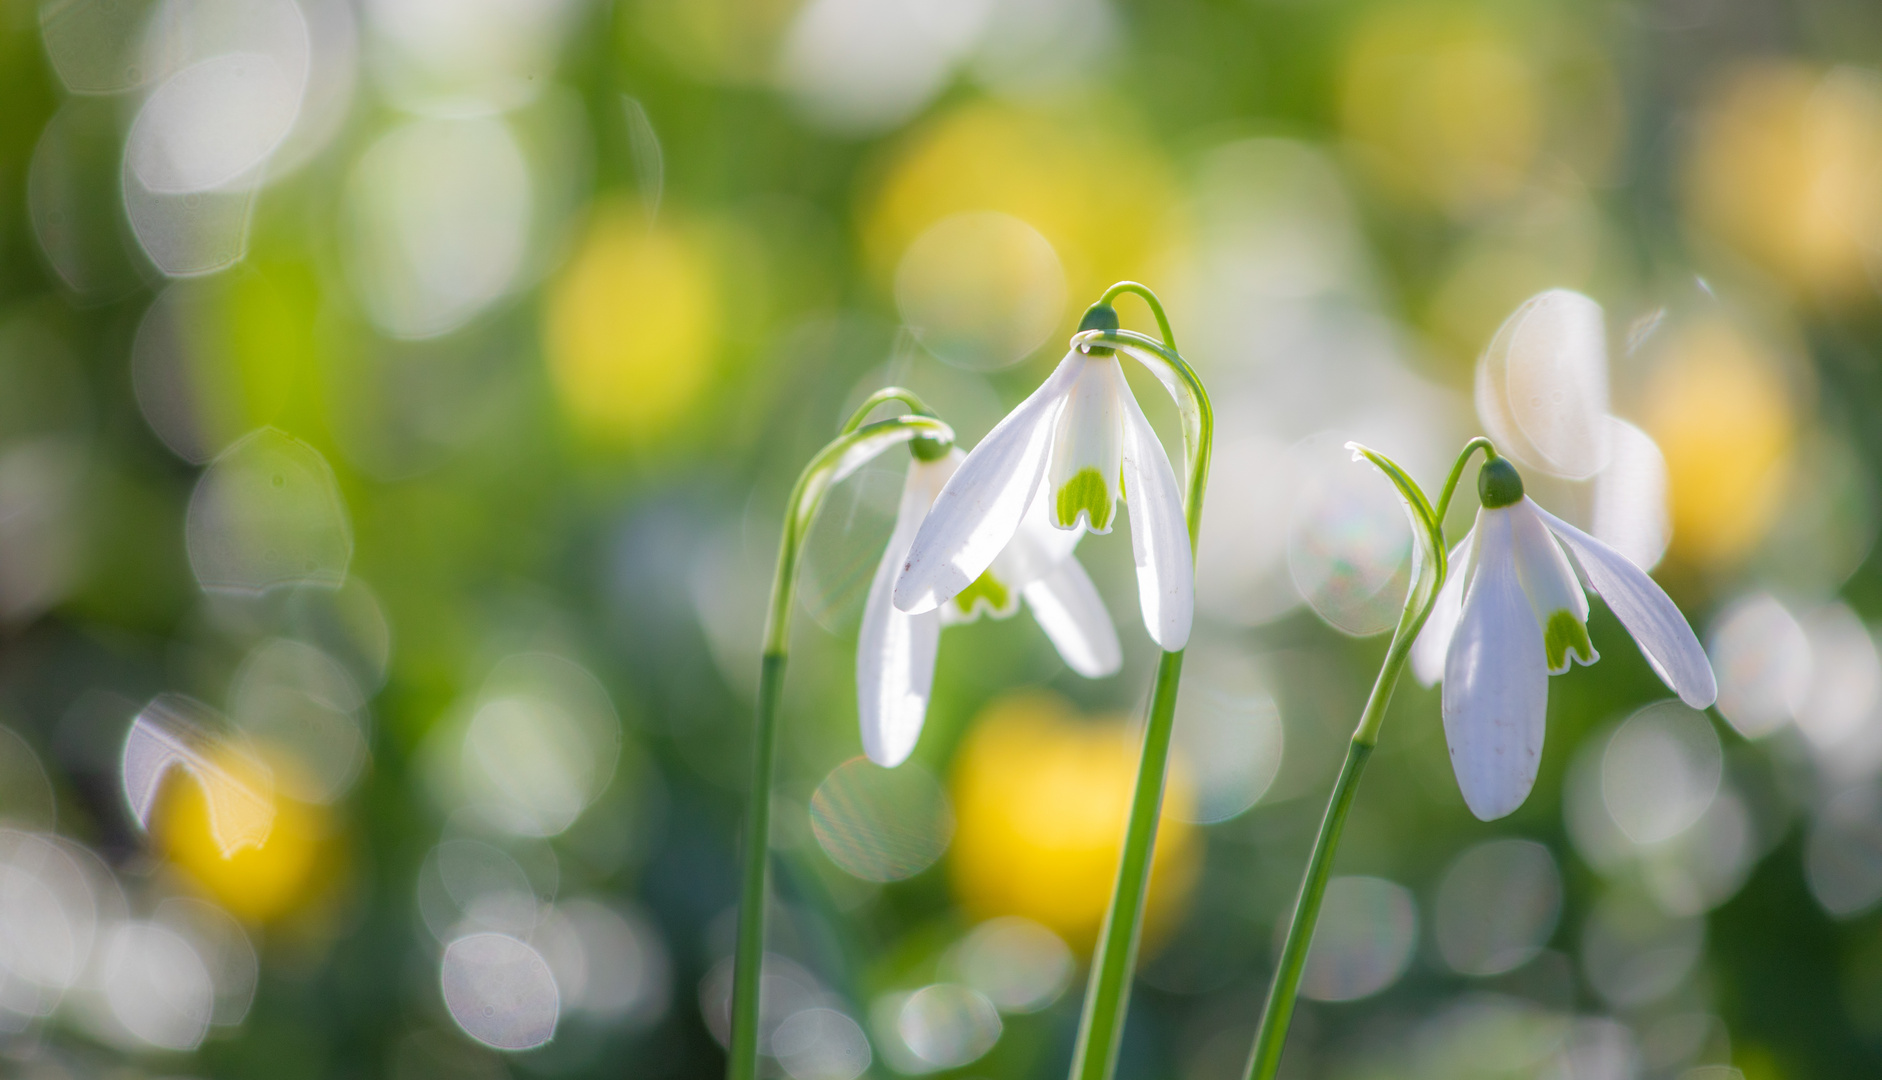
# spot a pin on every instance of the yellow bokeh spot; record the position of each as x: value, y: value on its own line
x: 1101, y: 196
x: 632, y: 327
x: 1443, y: 105
x: 1787, y: 167
x: 1719, y: 408
x: 255, y: 883
x: 1040, y: 799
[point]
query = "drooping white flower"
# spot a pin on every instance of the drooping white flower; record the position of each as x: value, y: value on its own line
x: 895, y: 651
x: 1512, y: 613
x: 1078, y: 447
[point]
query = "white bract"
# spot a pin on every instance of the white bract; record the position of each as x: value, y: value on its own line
x: 1513, y: 613
x: 1074, y: 450
x: 895, y: 651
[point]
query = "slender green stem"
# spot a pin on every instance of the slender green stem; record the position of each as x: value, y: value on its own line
x: 846, y: 453
x: 883, y: 397
x: 1457, y: 471
x: 749, y: 961
x: 1107, y: 995
x: 1271, y: 1037
x: 1107, y: 999
x: 1148, y: 297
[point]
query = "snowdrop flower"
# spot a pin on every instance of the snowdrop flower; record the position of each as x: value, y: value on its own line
x: 1079, y: 446
x: 1512, y: 614
x: 895, y: 651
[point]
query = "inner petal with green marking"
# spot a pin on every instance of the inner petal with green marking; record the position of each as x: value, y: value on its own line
x: 987, y: 593
x: 1086, y: 491
x: 1565, y: 634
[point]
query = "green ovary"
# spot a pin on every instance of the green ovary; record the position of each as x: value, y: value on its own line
x: 1564, y: 634
x: 986, y: 589
x: 1086, y: 491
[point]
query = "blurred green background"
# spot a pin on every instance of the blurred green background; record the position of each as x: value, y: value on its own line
x: 398, y: 400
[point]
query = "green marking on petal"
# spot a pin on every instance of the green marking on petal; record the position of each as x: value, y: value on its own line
x: 1086, y: 491
x: 986, y: 590
x: 1564, y: 634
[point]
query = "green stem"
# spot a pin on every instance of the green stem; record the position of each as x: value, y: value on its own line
x: 751, y: 911
x: 1150, y: 298
x: 1271, y: 1037
x: 1107, y: 996
x: 883, y: 397
x: 844, y: 454
x: 1107, y: 999
x: 1457, y: 471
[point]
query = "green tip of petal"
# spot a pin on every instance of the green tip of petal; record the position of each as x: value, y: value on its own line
x: 1566, y: 634
x: 1499, y: 484
x: 986, y: 590
x: 1099, y: 317
x: 1086, y: 491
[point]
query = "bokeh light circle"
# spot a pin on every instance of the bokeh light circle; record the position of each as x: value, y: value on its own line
x: 1497, y: 905
x: 1368, y: 927
x: 881, y: 824
x: 500, y: 991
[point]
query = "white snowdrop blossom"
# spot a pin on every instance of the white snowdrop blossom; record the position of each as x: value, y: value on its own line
x: 1514, y: 612
x: 1075, y: 449
x: 895, y: 651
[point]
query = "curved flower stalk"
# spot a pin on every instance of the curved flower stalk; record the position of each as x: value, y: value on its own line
x: 895, y: 650
x: 854, y: 447
x: 1072, y: 452
x: 1518, y: 614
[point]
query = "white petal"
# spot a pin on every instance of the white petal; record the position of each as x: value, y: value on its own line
x: 1645, y: 610
x: 1071, y: 613
x: 1542, y: 385
x: 1496, y: 682
x: 1038, y: 546
x: 1550, y: 583
x: 1630, y: 500
x: 895, y: 651
x: 1087, y: 448
x: 1427, y: 655
x: 980, y: 508
x: 1166, y: 583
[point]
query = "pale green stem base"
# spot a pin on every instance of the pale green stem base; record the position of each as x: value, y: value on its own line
x: 748, y: 965
x: 1107, y: 996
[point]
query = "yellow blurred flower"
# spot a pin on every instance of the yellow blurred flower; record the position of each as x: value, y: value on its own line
x: 1787, y: 167
x: 1444, y: 105
x: 1718, y: 406
x: 632, y: 327
x: 1099, y: 195
x: 256, y: 883
x: 1040, y: 800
